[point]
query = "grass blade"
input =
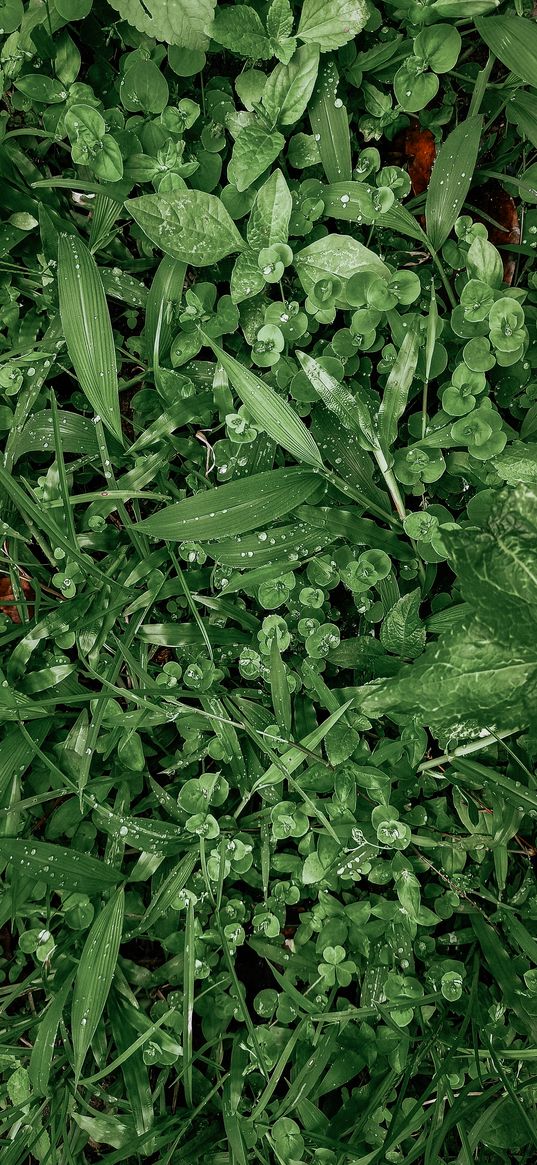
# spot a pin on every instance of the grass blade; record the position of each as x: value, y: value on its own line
x: 88, y: 330
x: 43, y: 1049
x: 234, y: 508
x: 65, y: 869
x: 398, y: 384
x: 451, y: 179
x: 94, y: 975
x: 330, y: 125
x: 273, y: 414
x: 188, y: 1000
x: 512, y: 39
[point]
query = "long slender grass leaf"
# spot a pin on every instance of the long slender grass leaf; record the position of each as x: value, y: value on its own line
x: 88, y: 330
x: 94, y: 976
x: 234, y: 508
x: 275, y: 416
x: 451, y: 179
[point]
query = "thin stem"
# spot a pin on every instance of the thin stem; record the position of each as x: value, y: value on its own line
x: 391, y: 484
x: 445, y: 281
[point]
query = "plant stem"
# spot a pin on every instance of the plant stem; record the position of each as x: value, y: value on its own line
x: 445, y: 281
x: 391, y: 484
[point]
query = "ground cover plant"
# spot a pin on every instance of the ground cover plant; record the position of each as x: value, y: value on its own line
x: 268, y: 584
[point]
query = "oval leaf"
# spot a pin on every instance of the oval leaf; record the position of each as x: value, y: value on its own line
x: 189, y: 225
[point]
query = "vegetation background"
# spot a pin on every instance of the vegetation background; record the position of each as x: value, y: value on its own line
x: 268, y: 582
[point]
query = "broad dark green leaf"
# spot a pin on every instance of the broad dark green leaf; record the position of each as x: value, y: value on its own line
x: 481, y: 674
x: 339, y: 255
x: 256, y: 147
x: 270, y: 214
x: 402, y: 631
x: 185, y: 22
x: 289, y: 87
x: 240, y: 30
x: 331, y: 23
x: 518, y: 463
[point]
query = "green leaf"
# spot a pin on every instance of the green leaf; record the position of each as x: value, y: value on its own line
x: 481, y: 675
x: 88, y: 330
x: 522, y: 109
x: 189, y: 225
x: 269, y: 410
x: 94, y: 975
x: 518, y: 463
x: 270, y: 214
x: 234, y: 508
x: 451, y: 179
x: 64, y: 869
x: 349, y: 201
x: 43, y: 1049
x: 41, y: 88
x: 73, y: 9
x: 513, y: 39
x: 398, y: 385
x: 249, y: 553
x: 291, y: 760
x: 77, y: 435
x: 336, y: 396
x: 165, y: 291
x: 289, y: 87
x: 182, y: 22
x: 239, y: 29
x: 253, y: 152
x: 167, y: 892
x: 331, y: 23
x: 338, y: 255
x: 399, y: 219
x: 402, y: 631
x: 330, y: 124
x: 246, y: 278
x: 501, y: 968
x: 152, y: 837
x: 279, y: 688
